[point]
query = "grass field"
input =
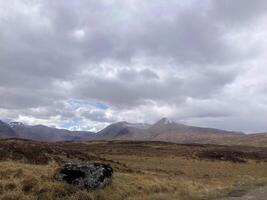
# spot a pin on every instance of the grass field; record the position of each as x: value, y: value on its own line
x: 141, y: 170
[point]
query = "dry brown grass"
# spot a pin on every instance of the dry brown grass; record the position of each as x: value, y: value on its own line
x: 147, y: 171
x: 168, y: 178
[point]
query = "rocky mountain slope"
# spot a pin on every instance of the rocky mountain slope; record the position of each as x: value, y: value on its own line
x: 123, y: 130
x: 165, y: 130
x: 169, y: 131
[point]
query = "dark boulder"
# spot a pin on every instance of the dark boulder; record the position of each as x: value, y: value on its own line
x: 88, y: 176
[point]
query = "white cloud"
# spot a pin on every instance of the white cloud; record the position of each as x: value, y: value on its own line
x: 79, y: 34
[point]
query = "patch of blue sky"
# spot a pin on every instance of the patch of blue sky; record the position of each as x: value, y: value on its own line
x: 73, y: 123
x: 101, y: 105
x: 75, y: 104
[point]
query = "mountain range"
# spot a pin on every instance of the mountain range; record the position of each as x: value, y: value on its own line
x: 162, y: 130
x: 43, y: 133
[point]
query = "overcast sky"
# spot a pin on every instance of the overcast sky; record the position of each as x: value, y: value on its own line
x: 82, y: 64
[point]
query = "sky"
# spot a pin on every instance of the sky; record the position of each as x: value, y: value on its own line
x: 82, y: 65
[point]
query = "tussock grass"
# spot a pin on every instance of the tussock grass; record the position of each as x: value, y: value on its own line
x: 151, y: 178
x: 142, y: 170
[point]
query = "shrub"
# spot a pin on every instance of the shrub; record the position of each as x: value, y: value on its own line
x: 29, y: 184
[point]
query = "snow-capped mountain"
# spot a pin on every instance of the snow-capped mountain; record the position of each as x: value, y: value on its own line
x: 6, y: 131
x: 17, y: 126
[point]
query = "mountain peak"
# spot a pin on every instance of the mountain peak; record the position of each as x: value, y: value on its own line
x: 16, y: 124
x: 133, y: 125
x: 165, y: 124
x: 165, y: 121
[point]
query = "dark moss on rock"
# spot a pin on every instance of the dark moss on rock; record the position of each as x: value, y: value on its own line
x: 88, y: 176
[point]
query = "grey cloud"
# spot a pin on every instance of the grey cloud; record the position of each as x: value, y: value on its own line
x: 96, y: 115
x: 148, y: 74
x: 239, y: 12
x: 122, y: 92
x: 132, y: 88
x: 189, y: 35
x: 133, y: 75
x: 208, y: 82
x: 158, y: 54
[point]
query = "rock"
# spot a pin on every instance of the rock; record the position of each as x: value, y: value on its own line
x: 88, y: 176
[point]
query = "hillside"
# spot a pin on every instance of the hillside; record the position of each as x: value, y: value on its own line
x: 169, y: 131
x: 256, y: 139
x: 142, y: 170
x: 124, y: 130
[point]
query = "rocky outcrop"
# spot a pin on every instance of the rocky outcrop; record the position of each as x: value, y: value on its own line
x: 88, y: 176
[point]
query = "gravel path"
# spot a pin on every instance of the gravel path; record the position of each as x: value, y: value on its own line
x: 256, y: 194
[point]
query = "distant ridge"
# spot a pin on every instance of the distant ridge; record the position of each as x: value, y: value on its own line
x: 163, y: 130
x: 40, y: 132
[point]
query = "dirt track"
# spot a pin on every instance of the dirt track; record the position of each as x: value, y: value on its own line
x: 257, y: 194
